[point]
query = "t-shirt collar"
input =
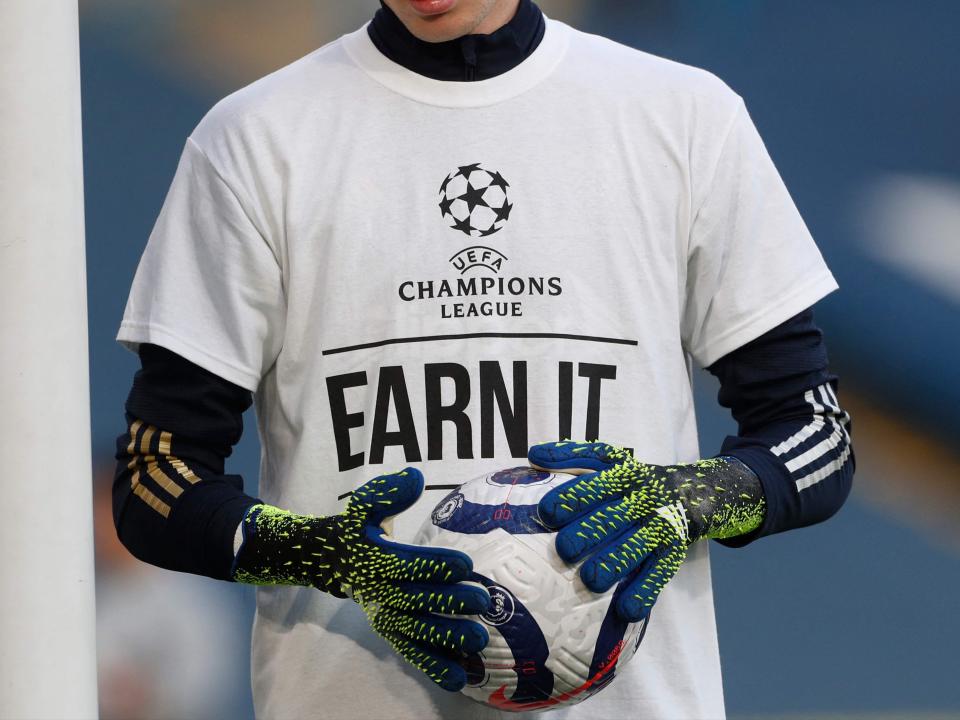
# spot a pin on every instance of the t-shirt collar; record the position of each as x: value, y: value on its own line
x: 535, y: 68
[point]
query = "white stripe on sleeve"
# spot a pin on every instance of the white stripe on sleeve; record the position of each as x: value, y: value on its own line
x: 824, y: 472
x: 826, y: 414
x: 806, y: 431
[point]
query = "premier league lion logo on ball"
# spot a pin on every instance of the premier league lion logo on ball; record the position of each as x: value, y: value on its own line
x: 475, y: 200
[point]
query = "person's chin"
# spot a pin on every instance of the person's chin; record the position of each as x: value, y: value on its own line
x: 436, y: 20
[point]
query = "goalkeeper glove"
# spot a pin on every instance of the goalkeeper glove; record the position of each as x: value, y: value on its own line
x: 407, y: 592
x: 635, y: 521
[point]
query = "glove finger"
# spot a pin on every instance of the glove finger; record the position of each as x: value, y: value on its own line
x: 416, y: 563
x: 642, y: 592
x: 602, y: 527
x: 573, y: 499
x: 444, y: 670
x: 613, y: 563
x: 568, y: 454
x: 455, y: 635
x: 459, y: 599
x: 579, y: 495
x: 386, y: 495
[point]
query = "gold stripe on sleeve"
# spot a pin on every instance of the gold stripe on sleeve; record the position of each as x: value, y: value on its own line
x: 182, y: 468
x: 145, y: 440
x: 165, y: 440
x: 148, y: 497
x: 161, y: 478
x: 134, y: 429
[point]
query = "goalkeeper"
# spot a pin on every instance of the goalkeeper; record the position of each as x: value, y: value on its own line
x: 623, y: 212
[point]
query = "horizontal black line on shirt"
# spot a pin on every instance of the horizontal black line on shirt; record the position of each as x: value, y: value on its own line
x: 469, y: 336
x: 426, y: 487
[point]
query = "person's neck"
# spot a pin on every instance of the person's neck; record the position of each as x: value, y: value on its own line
x: 500, y: 14
x: 471, y: 57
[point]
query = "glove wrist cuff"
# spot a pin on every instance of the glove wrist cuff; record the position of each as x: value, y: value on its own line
x: 283, y: 548
x: 722, y: 496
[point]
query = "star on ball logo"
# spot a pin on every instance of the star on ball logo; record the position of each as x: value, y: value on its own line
x: 475, y: 200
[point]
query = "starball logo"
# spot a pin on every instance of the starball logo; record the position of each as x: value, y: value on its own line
x: 476, y: 201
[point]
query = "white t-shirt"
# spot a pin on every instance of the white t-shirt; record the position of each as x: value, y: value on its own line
x: 410, y: 271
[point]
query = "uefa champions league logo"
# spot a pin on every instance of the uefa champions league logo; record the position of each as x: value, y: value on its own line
x: 501, y: 606
x: 475, y: 200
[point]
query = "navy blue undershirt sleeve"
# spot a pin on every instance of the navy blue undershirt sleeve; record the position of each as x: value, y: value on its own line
x: 791, y: 430
x: 173, y: 505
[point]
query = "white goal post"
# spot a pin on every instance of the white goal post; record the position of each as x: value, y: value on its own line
x: 47, y: 649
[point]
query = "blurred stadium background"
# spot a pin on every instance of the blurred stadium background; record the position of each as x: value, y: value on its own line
x: 859, y: 103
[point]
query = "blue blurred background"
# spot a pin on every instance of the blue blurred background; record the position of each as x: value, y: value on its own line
x: 859, y: 104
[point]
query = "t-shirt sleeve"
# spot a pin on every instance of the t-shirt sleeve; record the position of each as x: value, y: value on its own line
x: 209, y: 287
x: 751, y: 261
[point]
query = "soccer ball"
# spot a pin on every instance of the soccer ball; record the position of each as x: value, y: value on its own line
x: 553, y: 642
x: 475, y: 200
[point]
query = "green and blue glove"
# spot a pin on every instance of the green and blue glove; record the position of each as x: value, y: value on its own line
x: 634, y: 522
x: 408, y: 592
